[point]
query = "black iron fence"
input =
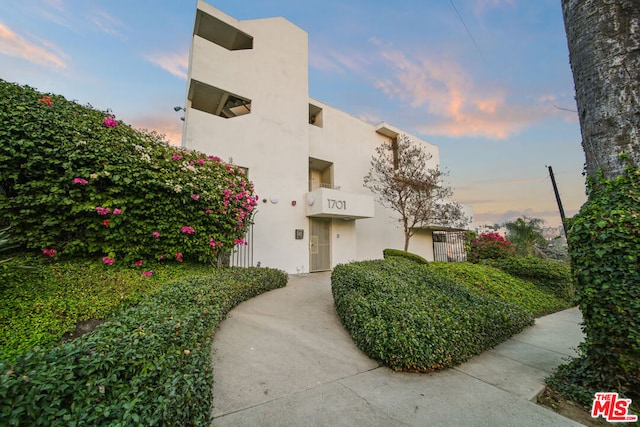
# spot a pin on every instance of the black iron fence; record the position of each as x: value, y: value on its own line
x: 448, y: 246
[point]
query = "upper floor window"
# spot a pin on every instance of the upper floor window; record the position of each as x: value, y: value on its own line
x: 219, y: 102
x: 221, y: 33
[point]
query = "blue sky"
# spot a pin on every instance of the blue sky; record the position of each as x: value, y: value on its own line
x: 488, y: 81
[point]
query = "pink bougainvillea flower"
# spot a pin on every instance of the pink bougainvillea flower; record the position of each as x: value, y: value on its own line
x: 176, y: 156
x: 103, y: 211
x: 195, y: 196
x: 110, y: 121
x: 214, y: 243
x: 45, y: 100
x: 139, y: 263
x: 106, y: 222
x: 156, y: 235
x: 162, y: 256
x: 117, y: 211
x: 240, y: 242
x: 147, y: 273
x: 179, y: 256
x: 107, y: 260
x: 49, y: 252
x: 191, y: 163
x: 214, y: 158
x: 187, y: 229
x: 201, y: 161
x: 80, y: 181
x: 208, y: 211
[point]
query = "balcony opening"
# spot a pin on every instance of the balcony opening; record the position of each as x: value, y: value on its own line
x: 221, y: 33
x: 216, y: 101
x: 315, y: 115
x: 320, y: 174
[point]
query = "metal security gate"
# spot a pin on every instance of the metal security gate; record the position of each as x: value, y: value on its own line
x: 242, y: 255
x: 320, y: 244
x: 448, y: 246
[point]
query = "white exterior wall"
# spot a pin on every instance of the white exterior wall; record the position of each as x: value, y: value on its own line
x: 349, y: 143
x: 275, y: 142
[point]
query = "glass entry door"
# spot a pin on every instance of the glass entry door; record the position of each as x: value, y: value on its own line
x: 320, y: 244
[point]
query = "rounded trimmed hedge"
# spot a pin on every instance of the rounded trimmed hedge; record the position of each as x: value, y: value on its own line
x: 149, y: 365
x: 548, y: 275
x: 408, y: 255
x: 400, y: 313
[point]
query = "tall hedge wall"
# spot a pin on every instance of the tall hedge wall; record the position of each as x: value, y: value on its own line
x: 75, y: 181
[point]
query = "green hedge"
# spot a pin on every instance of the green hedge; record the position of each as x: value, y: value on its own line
x: 604, y: 242
x: 149, y: 365
x: 400, y: 313
x: 408, y: 255
x: 493, y: 281
x: 548, y: 275
x: 75, y: 182
x: 43, y: 302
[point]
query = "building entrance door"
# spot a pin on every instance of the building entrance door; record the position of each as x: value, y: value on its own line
x: 320, y: 244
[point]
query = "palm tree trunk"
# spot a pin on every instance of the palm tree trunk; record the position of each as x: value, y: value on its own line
x: 604, y: 51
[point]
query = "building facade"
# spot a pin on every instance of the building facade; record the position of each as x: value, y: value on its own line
x: 248, y: 103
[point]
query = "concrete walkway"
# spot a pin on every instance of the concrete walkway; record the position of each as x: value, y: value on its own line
x: 284, y: 359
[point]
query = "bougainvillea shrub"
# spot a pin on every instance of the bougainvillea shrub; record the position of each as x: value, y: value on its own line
x: 490, y: 246
x: 75, y: 181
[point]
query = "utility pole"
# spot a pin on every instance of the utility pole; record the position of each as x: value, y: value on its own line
x: 555, y: 190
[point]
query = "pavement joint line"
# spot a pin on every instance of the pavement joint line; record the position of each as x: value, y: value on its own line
x: 455, y: 368
x: 337, y: 380
x: 537, y: 346
x: 498, y: 353
x: 369, y: 403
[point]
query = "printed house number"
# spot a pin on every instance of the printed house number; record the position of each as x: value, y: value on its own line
x: 337, y: 204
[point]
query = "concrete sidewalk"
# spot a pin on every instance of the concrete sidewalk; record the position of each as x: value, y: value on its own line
x: 284, y: 359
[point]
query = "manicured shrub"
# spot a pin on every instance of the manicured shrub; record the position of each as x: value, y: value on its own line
x: 44, y: 302
x: 149, y: 365
x: 490, y: 246
x: 548, y: 275
x: 400, y: 313
x: 408, y: 255
x: 76, y: 182
x: 604, y: 244
x: 492, y: 281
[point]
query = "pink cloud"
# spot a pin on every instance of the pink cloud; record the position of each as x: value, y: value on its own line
x: 175, y: 63
x: 170, y: 127
x: 456, y: 104
x: 42, y: 52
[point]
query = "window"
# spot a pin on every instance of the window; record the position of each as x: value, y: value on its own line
x: 216, y: 101
x: 320, y: 174
x: 315, y: 115
x: 221, y: 33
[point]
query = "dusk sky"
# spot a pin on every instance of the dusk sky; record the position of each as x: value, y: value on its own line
x: 487, y: 81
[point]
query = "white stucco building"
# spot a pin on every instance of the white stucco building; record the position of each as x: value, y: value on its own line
x: 248, y: 103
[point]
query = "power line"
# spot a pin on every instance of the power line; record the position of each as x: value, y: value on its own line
x: 467, y: 28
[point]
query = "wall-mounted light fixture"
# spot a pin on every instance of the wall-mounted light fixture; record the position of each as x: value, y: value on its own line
x: 178, y: 108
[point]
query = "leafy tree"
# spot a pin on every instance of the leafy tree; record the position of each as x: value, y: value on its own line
x: 526, y: 235
x: 399, y: 176
x: 604, y: 244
